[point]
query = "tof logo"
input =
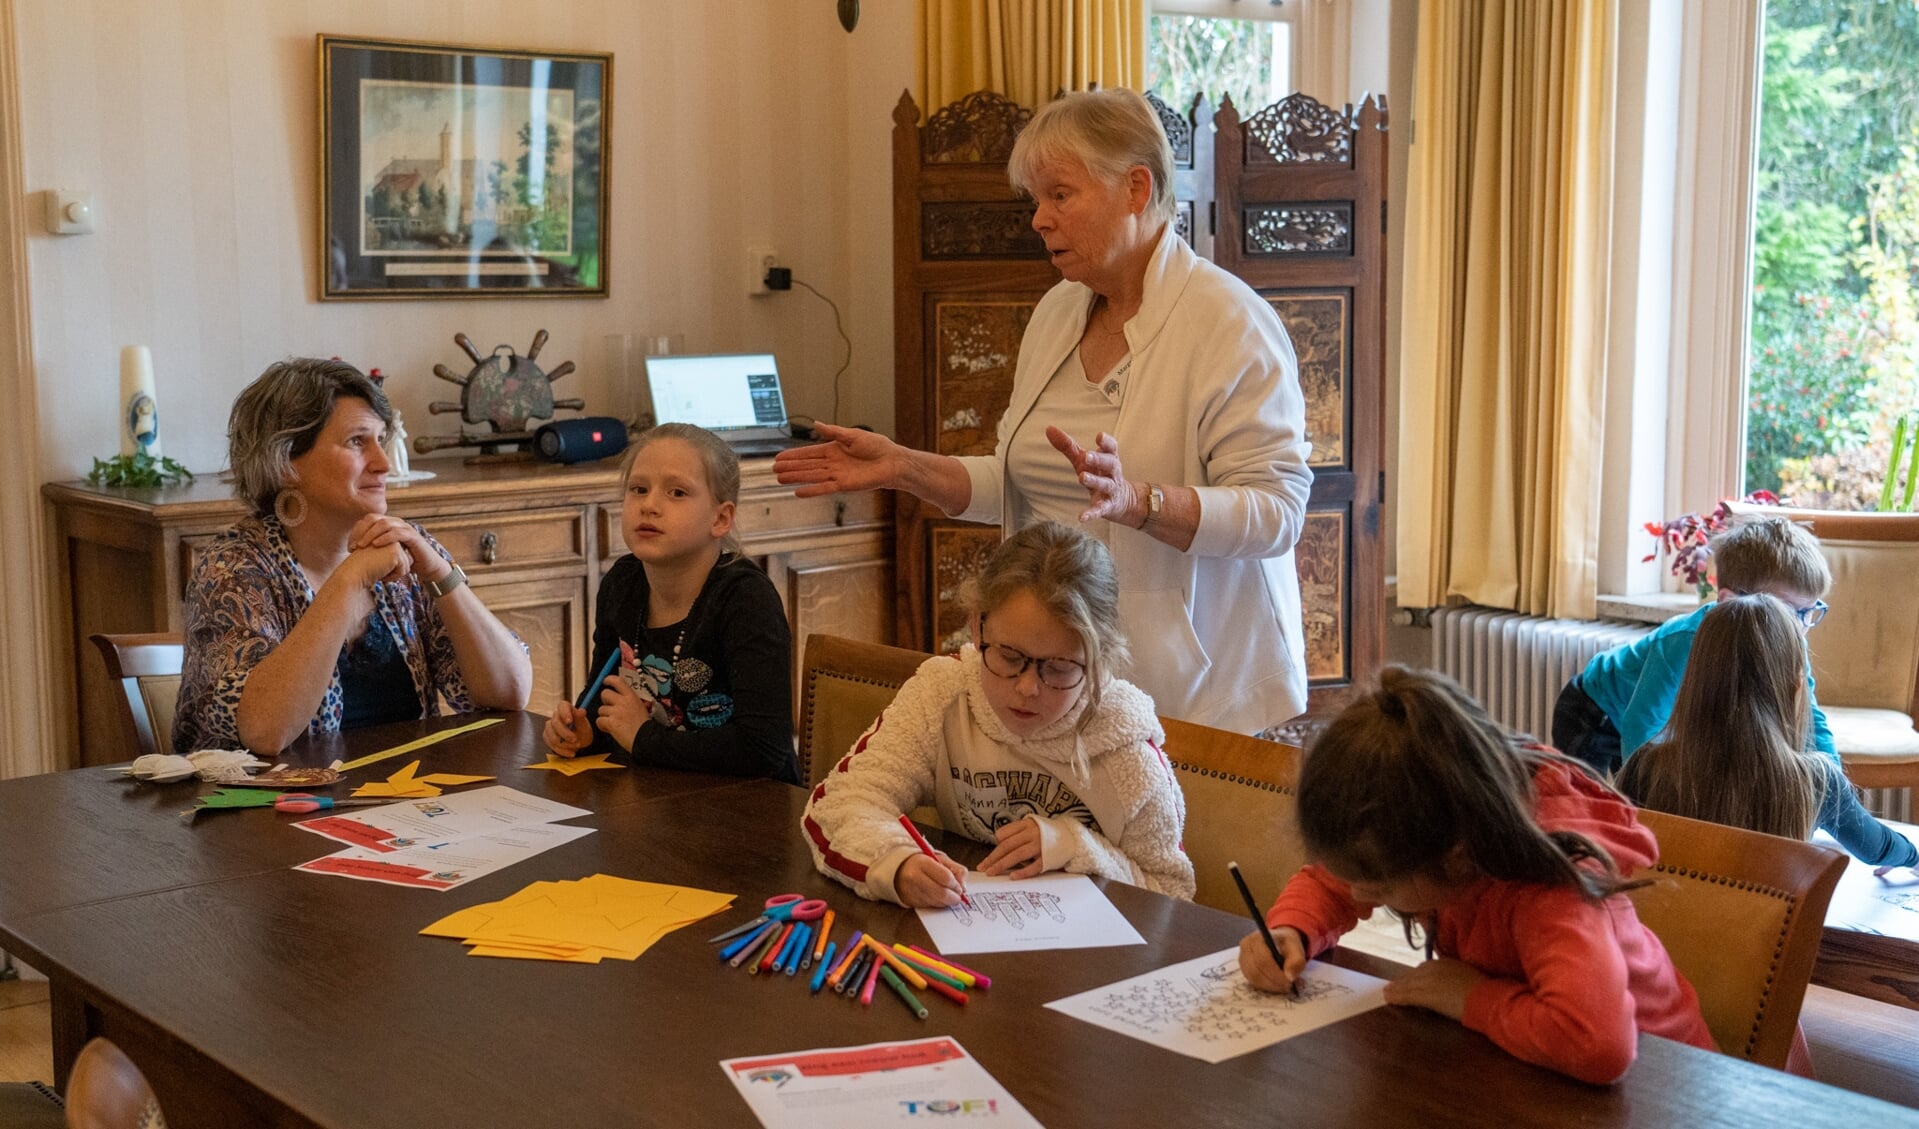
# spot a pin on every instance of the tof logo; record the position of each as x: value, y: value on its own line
x: 916, y: 1107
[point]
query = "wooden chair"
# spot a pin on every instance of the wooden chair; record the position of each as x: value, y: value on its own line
x: 1240, y: 807
x: 1741, y: 915
x: 844, y: 685
x: 106, y: 1091
x: 147, y: 667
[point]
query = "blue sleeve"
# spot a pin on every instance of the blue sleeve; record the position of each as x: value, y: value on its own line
x: 1820, y: 738
x: 1650, y: 706
x: 1865, y: 838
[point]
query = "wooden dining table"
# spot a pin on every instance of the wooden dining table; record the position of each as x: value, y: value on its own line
x: 254, y: 995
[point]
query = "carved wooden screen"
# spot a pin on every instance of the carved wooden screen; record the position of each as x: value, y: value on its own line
x: 1302, y: 218
x: 967, y: 271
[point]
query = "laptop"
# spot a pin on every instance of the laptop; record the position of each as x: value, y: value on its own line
x: 735, y: 395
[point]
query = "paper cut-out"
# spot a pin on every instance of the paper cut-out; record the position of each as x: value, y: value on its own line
x: 575, y: 765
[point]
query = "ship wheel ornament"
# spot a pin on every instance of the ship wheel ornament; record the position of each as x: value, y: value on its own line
x: 506, y: 392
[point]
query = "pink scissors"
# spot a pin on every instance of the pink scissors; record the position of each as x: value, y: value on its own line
x: 779, y: 907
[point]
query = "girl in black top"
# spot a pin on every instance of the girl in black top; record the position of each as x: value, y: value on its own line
x: 705, y: 674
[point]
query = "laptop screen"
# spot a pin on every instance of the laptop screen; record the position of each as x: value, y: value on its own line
x: 717, y: 392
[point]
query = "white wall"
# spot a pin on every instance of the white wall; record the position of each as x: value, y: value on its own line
x: 192, y: 123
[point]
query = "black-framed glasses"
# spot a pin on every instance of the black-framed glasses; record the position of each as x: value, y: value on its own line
x: 1811, y: 615
x: 1055, y: 674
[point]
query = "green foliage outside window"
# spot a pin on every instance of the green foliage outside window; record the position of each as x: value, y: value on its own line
x: 1835, y: 320
x: 1192, y: 55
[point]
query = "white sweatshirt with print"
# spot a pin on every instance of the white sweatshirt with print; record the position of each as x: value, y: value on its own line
x: 1105, y: 799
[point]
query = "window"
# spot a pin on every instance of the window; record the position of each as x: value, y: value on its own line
x: 1833, y: 358
x: 1219, y: 48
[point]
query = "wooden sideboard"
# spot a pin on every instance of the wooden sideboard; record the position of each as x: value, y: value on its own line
x: 534, y: 538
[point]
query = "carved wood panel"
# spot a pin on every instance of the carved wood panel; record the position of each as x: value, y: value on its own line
x: 958, y: 553
x: 1321, y: 329
x: 978, y: 344
x: 979, y: 230
x: 1322, y: 560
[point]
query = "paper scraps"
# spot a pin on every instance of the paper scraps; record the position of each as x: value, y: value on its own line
x: 404, y: 785
x: 579, y: 922
x: 221, y: 798
x: 573, y: 766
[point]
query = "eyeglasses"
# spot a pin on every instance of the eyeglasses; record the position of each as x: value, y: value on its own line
x: 1056, y: 674
x: 1810, y: 615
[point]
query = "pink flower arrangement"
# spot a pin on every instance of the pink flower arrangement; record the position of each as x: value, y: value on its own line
x: 1685, y: 541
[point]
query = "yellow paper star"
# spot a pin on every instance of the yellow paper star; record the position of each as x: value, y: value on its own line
x: 575, y: 765
x: 402, y: 785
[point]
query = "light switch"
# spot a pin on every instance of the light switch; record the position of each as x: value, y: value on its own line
x: 69, y: 212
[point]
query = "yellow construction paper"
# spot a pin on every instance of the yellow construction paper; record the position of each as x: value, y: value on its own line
x: 580, y: 921
x: 574, y: 766
x: 452, y: 780
x: 422, y: 743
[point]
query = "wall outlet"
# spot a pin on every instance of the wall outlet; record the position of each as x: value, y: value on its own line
x: 759, y: 260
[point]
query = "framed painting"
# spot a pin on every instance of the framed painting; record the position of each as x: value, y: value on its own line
x: 462, y: 171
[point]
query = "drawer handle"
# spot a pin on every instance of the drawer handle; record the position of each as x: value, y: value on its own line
x: 489, y: 547
x: 839, y: 513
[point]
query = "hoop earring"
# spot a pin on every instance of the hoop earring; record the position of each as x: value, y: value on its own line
x: 290, y: 506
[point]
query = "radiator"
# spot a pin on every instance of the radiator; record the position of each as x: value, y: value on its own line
x: 1517, y: 664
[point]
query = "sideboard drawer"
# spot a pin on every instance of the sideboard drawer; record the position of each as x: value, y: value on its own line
x: 495, y: 542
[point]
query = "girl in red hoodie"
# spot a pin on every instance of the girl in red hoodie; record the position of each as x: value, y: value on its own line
x: 1508, y: 858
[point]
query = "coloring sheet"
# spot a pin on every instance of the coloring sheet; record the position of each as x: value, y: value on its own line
x: 1052, y: 911
x: 1887, y: 906
x: 923, y: 1082
x: 1204, y: 1008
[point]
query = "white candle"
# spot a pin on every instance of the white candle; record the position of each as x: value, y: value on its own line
x: 139, y: 414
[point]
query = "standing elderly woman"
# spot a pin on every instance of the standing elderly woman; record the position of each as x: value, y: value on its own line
x: 319, y: 612
x: 1153, y: 352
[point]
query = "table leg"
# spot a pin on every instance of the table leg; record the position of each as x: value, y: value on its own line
x: 71, y: 1028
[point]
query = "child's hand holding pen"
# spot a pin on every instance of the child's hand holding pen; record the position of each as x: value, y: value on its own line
x: 568, y: 731
x: 929, y: 882
x: 1261, y: 971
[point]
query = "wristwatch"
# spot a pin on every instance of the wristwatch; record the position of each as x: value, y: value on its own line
x: 447, y: 583
x: 1155, y: 503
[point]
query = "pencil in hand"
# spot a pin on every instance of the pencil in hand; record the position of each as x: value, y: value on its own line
x: 926, y: 849
x: 1259, y: 919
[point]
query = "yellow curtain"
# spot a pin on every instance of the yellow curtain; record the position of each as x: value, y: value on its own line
x: 1503, y: 345
x: 1027, y: 50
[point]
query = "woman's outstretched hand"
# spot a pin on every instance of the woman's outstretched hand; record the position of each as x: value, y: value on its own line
x: 1109, y: 494
x: 850, y: 459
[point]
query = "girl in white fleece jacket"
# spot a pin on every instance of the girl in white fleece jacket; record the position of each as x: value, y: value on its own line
x: 1025, y: 741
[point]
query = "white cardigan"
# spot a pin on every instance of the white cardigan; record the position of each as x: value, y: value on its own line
x: 1213, y: 402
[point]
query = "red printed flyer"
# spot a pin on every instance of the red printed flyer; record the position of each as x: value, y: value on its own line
x: 922, y: 1082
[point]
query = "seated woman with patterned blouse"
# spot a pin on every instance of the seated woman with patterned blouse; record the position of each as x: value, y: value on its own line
x: 319, y: 612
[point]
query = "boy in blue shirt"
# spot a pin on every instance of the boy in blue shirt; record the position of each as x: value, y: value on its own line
x: 1624, y: 696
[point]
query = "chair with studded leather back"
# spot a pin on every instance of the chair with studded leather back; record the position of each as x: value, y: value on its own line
x: 1241, y: 807
x: 1741, y: 914
x: 844, y: 685
x: 107, y: 1091
x: 147, y: 670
